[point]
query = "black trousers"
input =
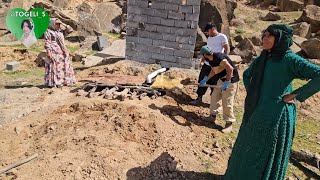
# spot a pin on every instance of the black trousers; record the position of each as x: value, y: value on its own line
x: 205, y: 70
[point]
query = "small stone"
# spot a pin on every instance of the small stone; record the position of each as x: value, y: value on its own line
x: 208, y: 151
x: 216, y: 145
x: 18, y: 129
x: 81, y: 93
x: 13, y: 66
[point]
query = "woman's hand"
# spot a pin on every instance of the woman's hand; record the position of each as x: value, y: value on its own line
x: 289, y: 98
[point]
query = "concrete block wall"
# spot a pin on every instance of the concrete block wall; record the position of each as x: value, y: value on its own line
x: 162, y: 31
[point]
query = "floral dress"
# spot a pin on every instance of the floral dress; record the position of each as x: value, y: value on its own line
x: 58, y: 69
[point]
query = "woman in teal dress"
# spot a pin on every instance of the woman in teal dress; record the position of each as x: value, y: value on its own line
x: 263, y: 145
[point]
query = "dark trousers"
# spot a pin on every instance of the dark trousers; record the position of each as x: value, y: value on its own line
x: 205, y: 70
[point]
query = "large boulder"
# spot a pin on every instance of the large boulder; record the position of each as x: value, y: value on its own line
x: 246, y: 49
x: 290, y: 5
x: 256, y: 39
x: 201, y: 39
x: 61, y: 3
x: 298, y: 40
x: 295, y: 48
x: 214, y: 11
x: 231, y: 6
x: 312, y: 48
x: 312, y: 2
x: 237, y: 22
x: 238, y: 38
x: 88, y: 22
x: 108, y: 15
x: 311, y: 15
x: 236, y: 59
x: 57, y: 13
x: 302, y: 29
x: 264, y: 3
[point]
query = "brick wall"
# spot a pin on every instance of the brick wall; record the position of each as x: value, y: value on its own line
x: 162, y: 31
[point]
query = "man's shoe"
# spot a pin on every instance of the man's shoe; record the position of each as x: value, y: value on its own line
x: 227, y: 128
x: 196, y: 102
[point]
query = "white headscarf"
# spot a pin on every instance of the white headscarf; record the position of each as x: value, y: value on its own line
x: 29, y: 39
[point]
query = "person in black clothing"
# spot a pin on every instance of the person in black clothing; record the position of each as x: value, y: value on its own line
x: 218, y: 42
x: 224, y: 70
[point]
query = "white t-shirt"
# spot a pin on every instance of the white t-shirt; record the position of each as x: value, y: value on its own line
x: 216, y: 43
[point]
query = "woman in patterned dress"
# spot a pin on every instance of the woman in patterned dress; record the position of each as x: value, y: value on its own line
x: 58, y: 69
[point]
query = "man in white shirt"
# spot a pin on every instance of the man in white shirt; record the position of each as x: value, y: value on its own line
x: 218, y: 42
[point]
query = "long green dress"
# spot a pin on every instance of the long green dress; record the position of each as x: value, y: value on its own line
x: 263, y: 145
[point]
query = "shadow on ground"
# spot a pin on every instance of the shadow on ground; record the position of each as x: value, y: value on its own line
x: 165, y: 168
x: 190, y: 117
x: 106, y: 61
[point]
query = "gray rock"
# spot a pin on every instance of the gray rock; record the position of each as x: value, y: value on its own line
x: 246, y: 49
x: 88, y: 24
x: 238, y: 38
x: 55, y: 12
x: 237, y: 22
x: 271, y: 16
x: 256, y: 39
x: 295, y: 48
x: 298, y: 40
x: 290, y: 5
x: 311, y: 15
x: 214, y: 11
x: 231, y: 6
x: 101, y: 17
x: 312, y: 2
x: 102, y: 42
x: 61, y: 3
x: 312, y: 48
x: 13, y: 66
x: 235, y: 59
x: 302, y: 29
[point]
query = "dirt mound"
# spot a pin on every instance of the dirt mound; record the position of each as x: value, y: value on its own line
x: 98, y: 138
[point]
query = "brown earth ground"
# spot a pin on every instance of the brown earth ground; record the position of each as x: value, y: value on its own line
x: 77, y: 137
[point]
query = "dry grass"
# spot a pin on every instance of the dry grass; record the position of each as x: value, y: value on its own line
x: 253, y: 24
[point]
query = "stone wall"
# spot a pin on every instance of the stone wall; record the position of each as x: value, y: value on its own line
x: 162, y: 31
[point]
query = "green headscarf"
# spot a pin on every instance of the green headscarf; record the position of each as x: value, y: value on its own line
x: 283, y: 40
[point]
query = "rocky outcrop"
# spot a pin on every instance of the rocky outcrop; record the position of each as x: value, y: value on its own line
x: 237, y: 22
x: 256, y: 39
x: 311, y: 15
x: 108, y: 16
x: 55, y: 12
x: 295, y: 48
x: 231, y: 6
x: 264, y: 3
x: 201, y: 39
x: 302, y: 29
x: 312, y: 2
x: 214, y: 11
x: 88, y: 22
x: 290, y: 5
x: 312, y: 48
x: 61, y: 3
x: 298, y: 40
x: 246, y: 49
